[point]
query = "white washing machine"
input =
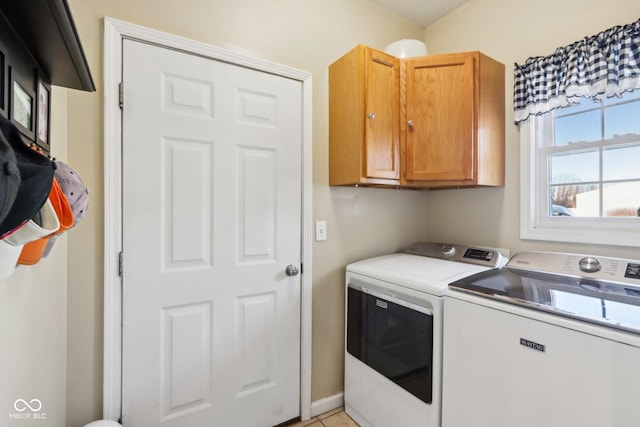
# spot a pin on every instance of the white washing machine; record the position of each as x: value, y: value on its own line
x: 393, y: 343
x: 552, y: 339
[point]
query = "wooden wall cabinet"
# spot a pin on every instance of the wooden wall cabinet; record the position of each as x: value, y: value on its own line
x: 451, y: 121
x: 364, y: 118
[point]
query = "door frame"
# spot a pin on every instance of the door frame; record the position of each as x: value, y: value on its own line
x: 115, y: 31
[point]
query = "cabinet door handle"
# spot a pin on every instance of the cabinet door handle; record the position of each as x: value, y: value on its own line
x: 410, y: 123
x: 371, y: 116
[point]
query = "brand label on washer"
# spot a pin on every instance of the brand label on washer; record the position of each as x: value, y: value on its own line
x: 381, y: 304
x: 532, y: 345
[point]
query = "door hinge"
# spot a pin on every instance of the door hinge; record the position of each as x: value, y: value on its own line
x: 120, y: 262
x: 301, y: 268
x: 121, y: 95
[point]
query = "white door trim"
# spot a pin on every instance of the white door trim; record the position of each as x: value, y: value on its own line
x: 114, y: 32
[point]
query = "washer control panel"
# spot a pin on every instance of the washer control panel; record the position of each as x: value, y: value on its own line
x: 599, y: 268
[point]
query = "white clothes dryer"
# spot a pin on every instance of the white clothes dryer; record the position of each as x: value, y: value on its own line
x: 393, y: 339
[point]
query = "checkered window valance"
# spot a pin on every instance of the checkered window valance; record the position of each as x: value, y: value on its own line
x: 607, y: 64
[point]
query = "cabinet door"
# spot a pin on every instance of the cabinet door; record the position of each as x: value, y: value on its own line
x: 382, y: 129
x: 440, y: 118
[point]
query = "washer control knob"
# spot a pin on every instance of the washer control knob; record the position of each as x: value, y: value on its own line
x: 589, y: 265
x: 448, y: 250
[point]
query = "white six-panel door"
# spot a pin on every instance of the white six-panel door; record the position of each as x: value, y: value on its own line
x: 211, y: 219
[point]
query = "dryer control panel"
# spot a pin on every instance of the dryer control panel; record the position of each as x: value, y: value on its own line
x: 488, y: 257
x: 482, y: 254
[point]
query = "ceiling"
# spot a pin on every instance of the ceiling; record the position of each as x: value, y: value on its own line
x: 422, y: 12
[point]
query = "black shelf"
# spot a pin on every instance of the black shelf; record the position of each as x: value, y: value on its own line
x: 47, y: 30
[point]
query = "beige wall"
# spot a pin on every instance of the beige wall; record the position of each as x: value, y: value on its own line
x: 305, y: 34
x: 511, y: 31
x: 310, y: 34
x: 33, y: 320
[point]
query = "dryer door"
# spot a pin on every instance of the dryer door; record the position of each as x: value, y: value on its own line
x: 393, y: 337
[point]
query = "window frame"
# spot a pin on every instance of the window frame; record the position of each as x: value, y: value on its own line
x: 536, y: 224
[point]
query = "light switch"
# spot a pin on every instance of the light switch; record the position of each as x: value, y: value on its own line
x: 321, y: 231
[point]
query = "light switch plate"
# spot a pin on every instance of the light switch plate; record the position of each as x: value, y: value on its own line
x: 321, y: 231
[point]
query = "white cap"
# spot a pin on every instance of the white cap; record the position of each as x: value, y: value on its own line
x: 11, y: 246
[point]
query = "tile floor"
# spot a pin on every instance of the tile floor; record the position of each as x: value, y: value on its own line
x: 335, y: 418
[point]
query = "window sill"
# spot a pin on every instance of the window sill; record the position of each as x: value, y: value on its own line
x: 618, y: 232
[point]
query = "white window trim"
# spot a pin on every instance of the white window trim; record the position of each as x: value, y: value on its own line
x: 535, y: 224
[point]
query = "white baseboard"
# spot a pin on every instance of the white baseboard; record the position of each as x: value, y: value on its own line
x: 327, y: 404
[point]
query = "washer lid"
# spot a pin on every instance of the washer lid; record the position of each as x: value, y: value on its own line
x: 422, y: 273
x: 616, y: 305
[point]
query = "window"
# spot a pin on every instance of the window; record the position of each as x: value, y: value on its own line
x: 593, y: 158
x: 579, y: 117
x: 581, y: 165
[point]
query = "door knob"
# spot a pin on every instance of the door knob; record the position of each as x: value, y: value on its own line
x: 371, y: 116
x: 410, y: 123
x: 291, y: 270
